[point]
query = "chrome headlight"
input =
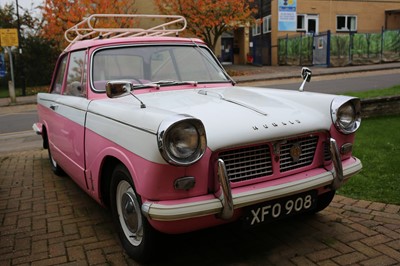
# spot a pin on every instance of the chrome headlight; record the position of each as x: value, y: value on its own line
x: 182, y: 140
x: 346, y: 114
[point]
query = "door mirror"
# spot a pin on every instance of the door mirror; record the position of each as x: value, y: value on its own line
x: 118, y: 88
x: 306, y: 74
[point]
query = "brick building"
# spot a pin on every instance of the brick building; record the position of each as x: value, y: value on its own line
x: 278, y: 18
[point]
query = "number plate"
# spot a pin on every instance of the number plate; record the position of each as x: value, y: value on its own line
x: 280, y: 208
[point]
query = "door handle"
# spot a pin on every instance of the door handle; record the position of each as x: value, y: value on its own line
x: 53, y: 106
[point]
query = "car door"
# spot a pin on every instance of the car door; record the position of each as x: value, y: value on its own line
x: 67, y: 105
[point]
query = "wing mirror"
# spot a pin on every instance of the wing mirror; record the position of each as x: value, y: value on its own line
x: 118, y: 88
x: 306, y: 75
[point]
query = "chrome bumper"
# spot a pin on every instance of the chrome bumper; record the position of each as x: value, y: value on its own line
x: 224, y: 203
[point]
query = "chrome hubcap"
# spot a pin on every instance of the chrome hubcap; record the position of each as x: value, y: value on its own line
x: 128, y: 211
x: 130, y: 216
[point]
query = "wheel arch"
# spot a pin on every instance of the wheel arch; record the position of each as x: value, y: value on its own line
x: 107, y: 167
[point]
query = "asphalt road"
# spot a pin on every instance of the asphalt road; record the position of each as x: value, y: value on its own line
x: 17, y: 122
x: 337, y: 84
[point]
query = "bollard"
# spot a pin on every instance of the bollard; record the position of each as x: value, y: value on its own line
x: 11, y: 91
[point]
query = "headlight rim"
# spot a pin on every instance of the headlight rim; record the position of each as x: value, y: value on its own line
x: 162, y: 138
x: 337, y: 107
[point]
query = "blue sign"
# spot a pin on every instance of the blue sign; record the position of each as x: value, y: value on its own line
x: 2, y: 66
x: 287, y: 16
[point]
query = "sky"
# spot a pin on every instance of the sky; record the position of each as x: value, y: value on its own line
x: 25, y: 4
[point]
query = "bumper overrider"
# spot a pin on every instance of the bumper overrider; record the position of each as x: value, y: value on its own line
x: 224, y: 203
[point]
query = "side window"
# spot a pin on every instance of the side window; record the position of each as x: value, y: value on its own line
x: 58, y: 82
x: 76, y: 77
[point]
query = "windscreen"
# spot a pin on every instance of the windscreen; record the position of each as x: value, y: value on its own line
x: 147, y: 64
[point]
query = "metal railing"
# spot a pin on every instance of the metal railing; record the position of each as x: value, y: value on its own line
x: 344, y: 48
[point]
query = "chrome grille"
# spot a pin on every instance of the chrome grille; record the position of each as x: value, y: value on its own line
x: 327, y: 153
x: 247, y: 163
x: 307, y: 145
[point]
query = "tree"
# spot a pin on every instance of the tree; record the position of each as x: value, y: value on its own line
x: 208, y: 19
x: 31, y: 62
x: 60, y: 15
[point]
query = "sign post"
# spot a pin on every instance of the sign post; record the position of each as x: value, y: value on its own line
x: 8, y: 38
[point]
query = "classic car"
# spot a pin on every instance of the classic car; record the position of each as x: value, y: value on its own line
x: 151, y: 126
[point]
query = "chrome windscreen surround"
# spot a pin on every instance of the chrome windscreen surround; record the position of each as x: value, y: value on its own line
x: 346, y: 114
x: 178, y: 151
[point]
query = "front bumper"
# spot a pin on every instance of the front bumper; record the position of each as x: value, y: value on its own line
x: 227, y: 200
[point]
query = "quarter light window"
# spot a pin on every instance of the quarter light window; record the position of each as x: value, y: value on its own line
x: 76, y: 75
x: 58, y: 81
x: 346, y: 23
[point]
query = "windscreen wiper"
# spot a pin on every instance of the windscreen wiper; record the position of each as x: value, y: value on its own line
x: 158, y: 84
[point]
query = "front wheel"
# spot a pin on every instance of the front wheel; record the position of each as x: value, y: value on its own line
x: 135, y: 233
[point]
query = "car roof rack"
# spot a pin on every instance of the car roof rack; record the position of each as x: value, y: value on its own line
x: 85, y: 30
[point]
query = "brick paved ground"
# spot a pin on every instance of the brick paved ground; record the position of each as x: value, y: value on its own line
x: 48, y: 220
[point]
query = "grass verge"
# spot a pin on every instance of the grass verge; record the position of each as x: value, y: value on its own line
x: 395, y: 90
x: 377, y: 145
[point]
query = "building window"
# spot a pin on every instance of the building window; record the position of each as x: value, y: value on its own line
x: 301, y: 22
x: 257, y: 28
x: 346, y: 23
x: 267, y: 24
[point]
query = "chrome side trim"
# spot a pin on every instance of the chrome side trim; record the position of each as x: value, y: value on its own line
x: 180, y: 209
x: 337, y: 165
x: 226, y: 196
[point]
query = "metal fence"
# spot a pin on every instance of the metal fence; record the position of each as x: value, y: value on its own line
x: 342, y: 50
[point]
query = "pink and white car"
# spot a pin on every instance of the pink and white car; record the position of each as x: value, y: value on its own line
x: 153, y: 127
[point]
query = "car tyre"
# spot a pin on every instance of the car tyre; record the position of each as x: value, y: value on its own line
x: 135, y: 233
x: 324, y: 200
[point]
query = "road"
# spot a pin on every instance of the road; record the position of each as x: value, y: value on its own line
x: 16, y: 123
x: 338, y: 83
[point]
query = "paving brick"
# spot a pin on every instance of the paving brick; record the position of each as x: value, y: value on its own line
x: 76, y: 253
x: 367, y: 250
x: 302, y: 261
x: 387, y: 250
x: 350, y: 236
x: 50, y: 261
x: 395, y: 209
x: 388, y: 232
x: 357, y: 209
x: 323, y: 254
x: 57, y: 249
x: 375, y: 240
x: 382, y: 260
x: 363, y: 229
x: 96, y: 256
x: 377, y: 206
x: 350, y: 258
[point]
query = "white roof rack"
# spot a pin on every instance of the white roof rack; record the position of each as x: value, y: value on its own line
x: 85, y: 29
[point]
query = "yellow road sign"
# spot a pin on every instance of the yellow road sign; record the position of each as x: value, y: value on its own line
x: 8, y: 37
